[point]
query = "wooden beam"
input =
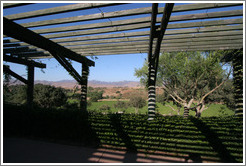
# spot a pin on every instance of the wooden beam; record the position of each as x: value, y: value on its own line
x: 145, y: 43
x: 26, y: 55
x: 58, y: 10
x: 142, y: 46
x: 30, y: 86
x: 169, y: 33
x: 121, y: 13
x: 145, y: 25
x: 142, y: 20
x: 221, y: 14
x: 173, y: 49
x: 83, y: 84
x: 98, y: 31
x: 67, y: 66
x: 168, y: 49
x: 14, y: 30
x: 10, y: 72
x: 23, y: 61
x: 16, y: 49
x: 10, y: 5
x: 199, y: 6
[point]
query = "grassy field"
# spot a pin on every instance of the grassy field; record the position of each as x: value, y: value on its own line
x: 213, y: 110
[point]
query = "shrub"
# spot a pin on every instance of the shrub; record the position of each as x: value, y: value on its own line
x: 137, y: 102
x: 121, y: 105
x: 105, y: 107
x: 15, y: 94
x: 95, y: 96
x: 47, y: 96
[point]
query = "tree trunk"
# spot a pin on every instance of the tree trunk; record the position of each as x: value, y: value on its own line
x: 186, y: 112
x: 187, y: 108
x: 200, y: 109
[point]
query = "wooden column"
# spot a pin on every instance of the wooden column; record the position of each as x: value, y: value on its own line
x: 30, y: 85
x: 237, y: 63
x: 153, y: 58
x: 83, y: 83
x: 151, y: 66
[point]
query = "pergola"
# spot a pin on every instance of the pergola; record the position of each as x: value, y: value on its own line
x: 152, y: 30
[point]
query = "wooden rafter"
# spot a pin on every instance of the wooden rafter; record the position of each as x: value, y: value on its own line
x: 57, y: 10
x: 10, y: 5
x: 225, y: 23
x: 16, y: 31
x: 23, y: 61
x: 17, y: 76
x: 130, y: 12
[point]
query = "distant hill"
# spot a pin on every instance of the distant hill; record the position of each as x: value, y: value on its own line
x: 93, y: 83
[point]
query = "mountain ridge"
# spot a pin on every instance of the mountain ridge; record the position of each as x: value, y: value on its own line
x: 69, y: 84
x: 92, y: 83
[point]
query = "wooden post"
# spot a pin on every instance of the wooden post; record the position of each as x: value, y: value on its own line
x: 151, y: 92
x: 85, y: 72
x: 153, y: 58
x: 237, y: 63
x: 30, y: 85
x: 151, y: 65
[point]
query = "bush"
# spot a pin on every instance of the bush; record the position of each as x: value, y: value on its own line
x: 137, y: 102
x: 15, y: 94
x: 121, y: 105
x: 95, y: 96
x: 47, y: 96
x: 105, y: 107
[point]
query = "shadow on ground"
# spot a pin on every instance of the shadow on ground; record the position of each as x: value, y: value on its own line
x: 118, y: 138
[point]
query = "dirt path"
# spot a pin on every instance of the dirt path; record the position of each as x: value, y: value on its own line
x: 19, y: 150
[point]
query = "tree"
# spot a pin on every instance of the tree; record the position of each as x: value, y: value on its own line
x: 189, y: 77
x: 137, y: 102
x: 224, y: 95
x: 47, y: 96
x: 95, y: 95
x: 121, y: 105
x: 15, y: 94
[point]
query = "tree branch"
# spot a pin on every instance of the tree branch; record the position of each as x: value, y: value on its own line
x: 216, y: 87
x: 173, y: 109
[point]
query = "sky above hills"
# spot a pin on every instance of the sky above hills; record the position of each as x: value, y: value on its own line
x: 107, y: 68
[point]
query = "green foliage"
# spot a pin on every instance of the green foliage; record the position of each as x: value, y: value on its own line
x: 121, y: 105
x: 224, y: 95
x: 95, y: 96
x: 137, y: 102
x: 187, y: 75
x: 15, y: 94
x: 105, y: 107
x: 163, y: 98
x: 47, y: 96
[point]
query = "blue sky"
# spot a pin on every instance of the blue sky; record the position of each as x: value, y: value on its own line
x: 107, y: 68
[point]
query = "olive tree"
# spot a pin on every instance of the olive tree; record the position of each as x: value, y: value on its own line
x: 137, y: 102
x: 189, y: 77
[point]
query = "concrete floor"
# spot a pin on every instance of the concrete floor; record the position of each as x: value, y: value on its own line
x: 19, y: 150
